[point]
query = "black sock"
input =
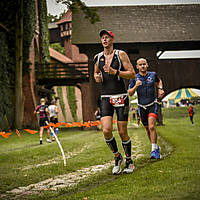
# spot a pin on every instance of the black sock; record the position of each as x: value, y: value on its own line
x: 112, y: 145
x: 127, y: 148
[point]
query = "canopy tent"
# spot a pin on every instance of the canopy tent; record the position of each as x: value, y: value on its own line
x: 184, y: 93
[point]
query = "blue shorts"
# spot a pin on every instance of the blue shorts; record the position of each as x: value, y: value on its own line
x: 107, y: 109
x: 150, y: 111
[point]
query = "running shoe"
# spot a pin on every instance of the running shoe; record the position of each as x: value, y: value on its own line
x: 118, y: 162
x: 129, y: 167
x: 153, y: 155
x: 158, y: 153
x: 48, y: 140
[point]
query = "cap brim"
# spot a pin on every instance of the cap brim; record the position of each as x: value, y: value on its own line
x: 104, y: 31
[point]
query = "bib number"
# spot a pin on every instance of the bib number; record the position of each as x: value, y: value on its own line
x: 117, y: 101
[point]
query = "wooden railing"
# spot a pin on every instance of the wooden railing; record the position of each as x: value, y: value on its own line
x: 71, y: 72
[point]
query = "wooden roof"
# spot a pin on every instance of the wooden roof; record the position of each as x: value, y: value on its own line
x: 67, y: 17
x: 149, y: 23
x: 59, y: 57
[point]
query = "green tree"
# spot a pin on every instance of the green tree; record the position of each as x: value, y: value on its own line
x: 76, y: 5
x: 58, y: 48
x: 20, y: 57
x: 55, y: 18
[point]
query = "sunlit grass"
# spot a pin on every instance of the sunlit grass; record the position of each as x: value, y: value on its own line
x: 176, y: 176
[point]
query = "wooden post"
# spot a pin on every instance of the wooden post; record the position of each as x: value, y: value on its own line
x: 19, y: 100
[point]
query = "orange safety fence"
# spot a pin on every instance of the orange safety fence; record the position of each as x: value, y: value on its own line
x: 30, y: 131
x: 5, y: 135
x: 67, y: 125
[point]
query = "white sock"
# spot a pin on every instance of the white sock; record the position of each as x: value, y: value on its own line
x: 154, y: 146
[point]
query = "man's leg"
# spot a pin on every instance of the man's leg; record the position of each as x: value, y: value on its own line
x: 152, y: 129
x: 126, y: 143
x: 148, y: 132
x: 153, y: 137
x: 41, y: 133
x: 107, y: 126
x: 191, y: 119
x: 48, y: 132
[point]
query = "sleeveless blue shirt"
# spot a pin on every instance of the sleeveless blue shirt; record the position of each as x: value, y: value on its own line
x: 146, y: 92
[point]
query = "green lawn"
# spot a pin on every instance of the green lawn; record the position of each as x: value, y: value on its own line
x: 176, y: 176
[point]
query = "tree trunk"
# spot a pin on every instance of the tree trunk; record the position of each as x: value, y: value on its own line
x: 19, y: 100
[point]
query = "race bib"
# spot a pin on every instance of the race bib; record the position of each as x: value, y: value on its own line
x: 117, y: 101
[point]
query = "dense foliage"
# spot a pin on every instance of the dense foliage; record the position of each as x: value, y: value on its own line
x: 71, y: 96
x: 55, y: 18
x: 8, y: 49
x: 6, y: 82
x: 61, y: 100
x: 29, y: 28
x: 44, y: 31
x: 76, y: 5
x: 7, y: 63
x: 58, y: 48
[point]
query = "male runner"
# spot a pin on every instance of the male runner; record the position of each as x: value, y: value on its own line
x: 111, y: 68
x: 53, y: 114
x: 146, y: 84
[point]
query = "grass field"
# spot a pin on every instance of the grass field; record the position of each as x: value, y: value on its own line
x: 33, y: 171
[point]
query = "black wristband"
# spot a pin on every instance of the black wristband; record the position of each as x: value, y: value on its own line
x: 117, y: 73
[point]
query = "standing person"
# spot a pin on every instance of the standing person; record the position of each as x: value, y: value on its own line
x: 147, y: 84
x: 112, y: 66
x: 191, y: 113
x: 53, y: 114
x: 42, y: 110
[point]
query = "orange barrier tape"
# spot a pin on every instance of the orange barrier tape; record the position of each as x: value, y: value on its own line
x: 5, y: 135
x: 67, y: 125
x: 30, y: 131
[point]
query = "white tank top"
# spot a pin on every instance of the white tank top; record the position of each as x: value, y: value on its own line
x: 52, y: 111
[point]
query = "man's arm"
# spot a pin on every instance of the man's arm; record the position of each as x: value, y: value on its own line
x: 129, y: 72
x: 56, y: 109
x: 161, y: 91
x: 132, y: 90
x: 47, y: 110
x: 36, y: 111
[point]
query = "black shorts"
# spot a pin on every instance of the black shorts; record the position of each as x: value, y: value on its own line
x: 42, y: 121
x: 107, y: 109
x: 148, y: 112
x: 54, y: 120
